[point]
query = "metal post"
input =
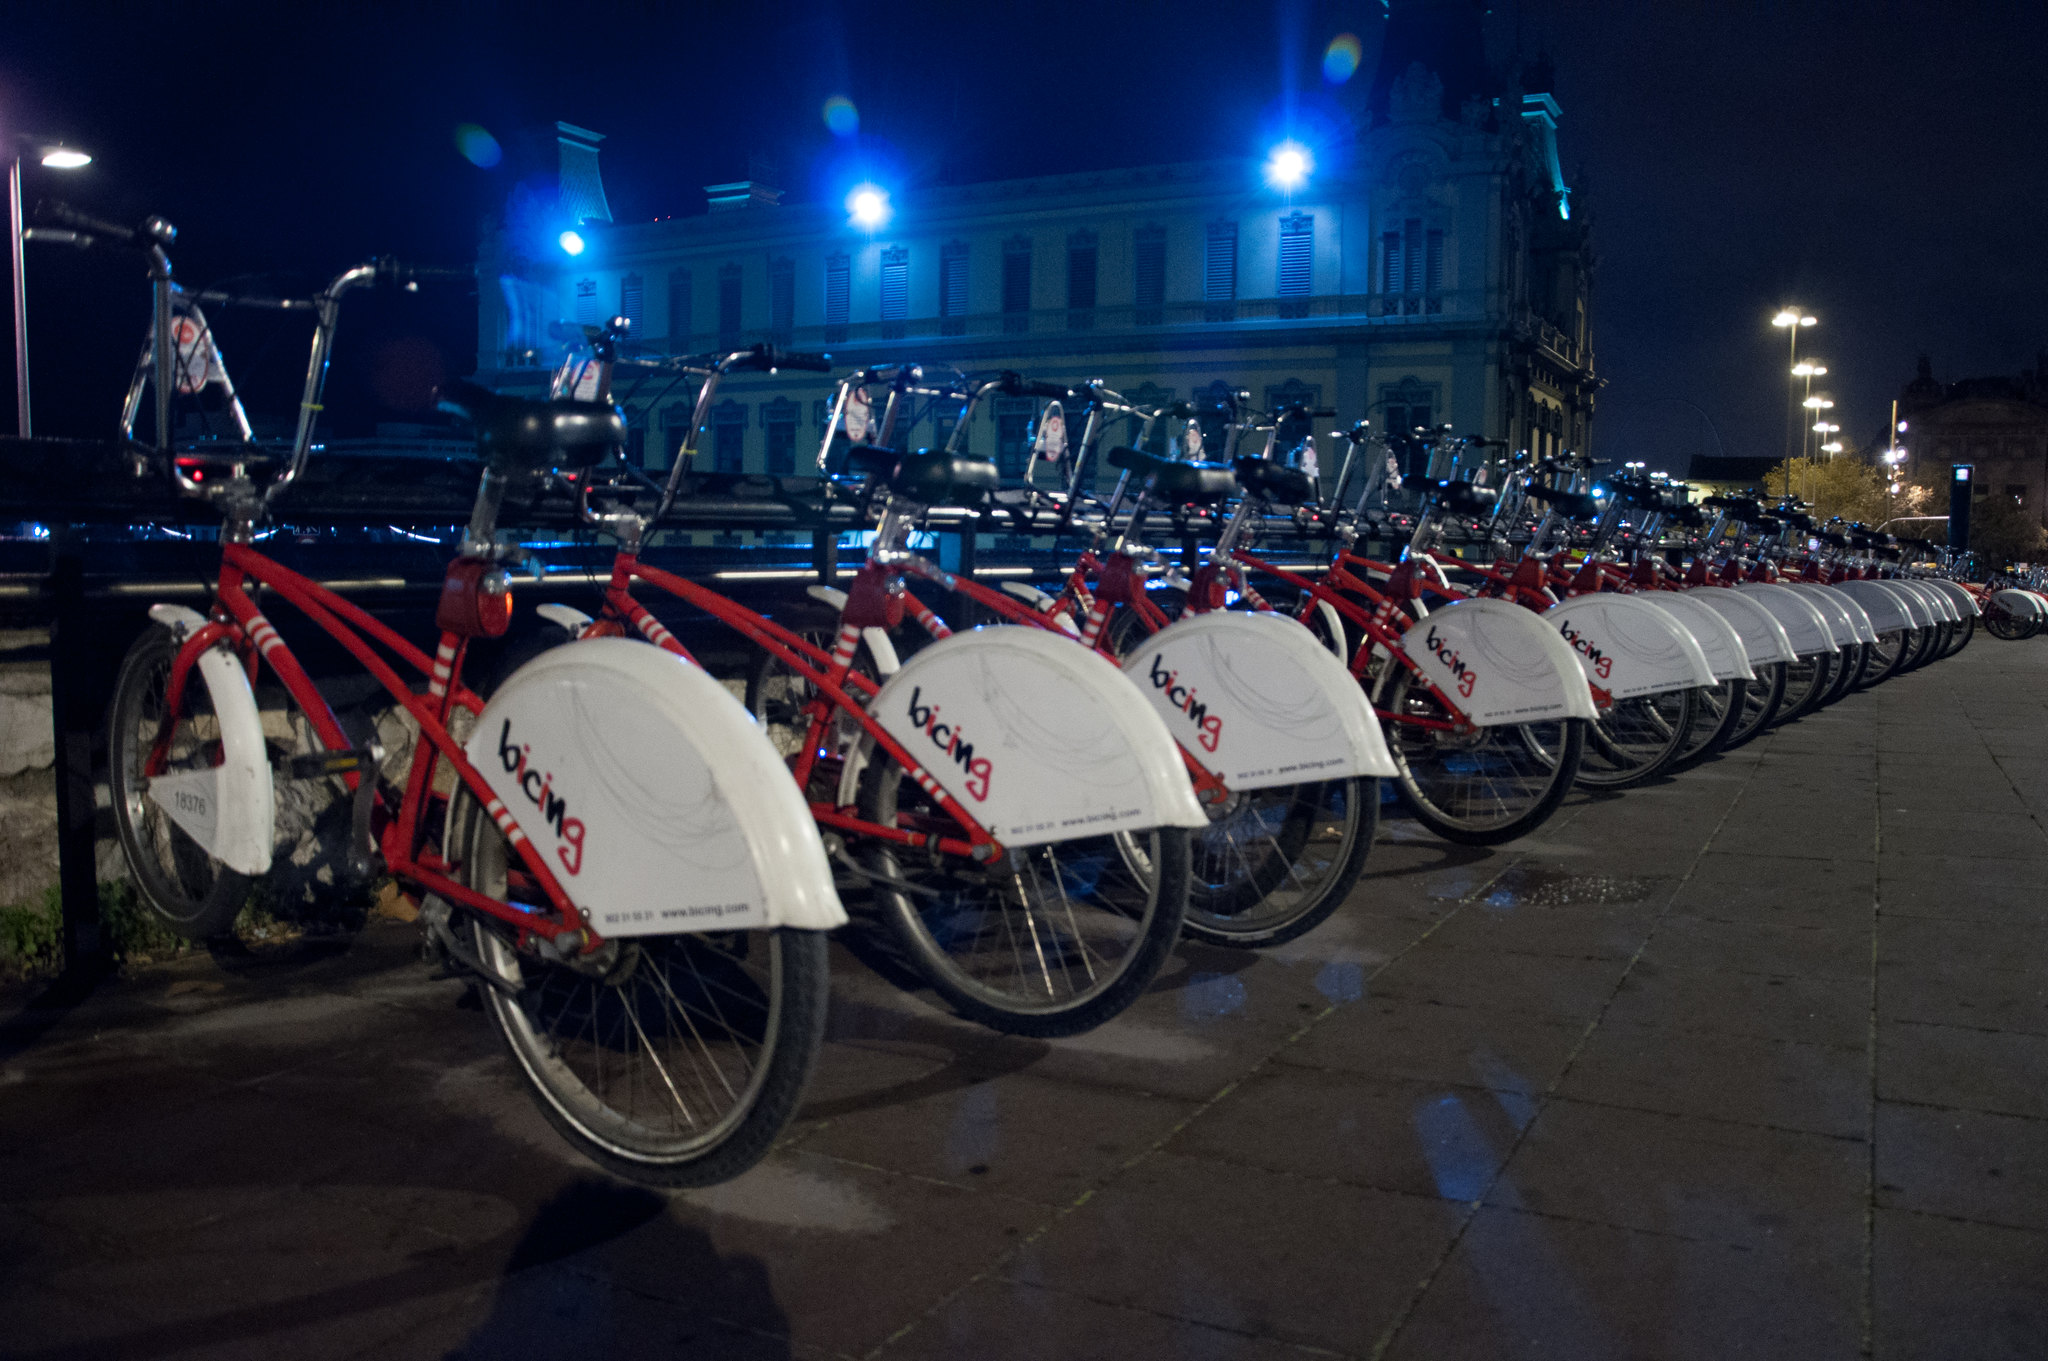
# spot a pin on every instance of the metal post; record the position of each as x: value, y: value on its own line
x: 825, y: 555
x: 14, y: 239
x: 74, y: 689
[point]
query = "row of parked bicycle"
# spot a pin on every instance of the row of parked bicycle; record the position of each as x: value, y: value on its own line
x: 638, y: 870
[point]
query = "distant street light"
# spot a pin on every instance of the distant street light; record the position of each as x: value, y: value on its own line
x: 868, y: 206
x: 1793, y: 319
x: 56, y: 156
x: 1288, y: 167
x: 570, y: 242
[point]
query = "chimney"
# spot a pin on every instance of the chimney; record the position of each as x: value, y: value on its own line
x: 754, y: 191
x: 579, y: 186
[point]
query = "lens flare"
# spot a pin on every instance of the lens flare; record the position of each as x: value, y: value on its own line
x: 1340, y: 60
x: 868, y: 206
x: 478, y: 147
x: 841, y: 117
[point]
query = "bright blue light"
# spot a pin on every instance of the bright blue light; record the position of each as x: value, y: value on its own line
x: 868, y: 206
x: 571, y: 242
x: 1599, y: 491
x: 1289, y: 166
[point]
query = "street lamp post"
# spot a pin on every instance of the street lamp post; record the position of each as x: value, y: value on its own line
x: 1808, y: 370
x: 57, y: 156
x: 1793, y: 319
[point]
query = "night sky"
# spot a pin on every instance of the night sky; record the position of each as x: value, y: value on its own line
x: 1880, y: 164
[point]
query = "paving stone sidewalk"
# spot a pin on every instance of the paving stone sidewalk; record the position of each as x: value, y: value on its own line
x: 1750, y: 1063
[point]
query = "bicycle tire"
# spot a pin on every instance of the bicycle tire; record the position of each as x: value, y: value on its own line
x: 1760, y: 703
x: 1433, y: 767
x: 1806, y: 680
x: 1717, y: 714
x: 765, y: 1019
x: 1309, y: 868
x: 1960, y: 639
x: 186, y: 889
x: 956, y: 922
x: 1883, y: 658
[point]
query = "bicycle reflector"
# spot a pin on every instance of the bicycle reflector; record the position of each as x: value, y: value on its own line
x: 476, y: 600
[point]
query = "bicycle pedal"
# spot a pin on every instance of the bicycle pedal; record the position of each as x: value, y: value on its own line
x: 321, y: 764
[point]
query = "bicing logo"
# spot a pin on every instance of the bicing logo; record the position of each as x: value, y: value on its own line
x: 1208, y: 726
x: 1601, y: 663
x: 1461, y: 671
x: 948, y: 739
x: 539, y: 788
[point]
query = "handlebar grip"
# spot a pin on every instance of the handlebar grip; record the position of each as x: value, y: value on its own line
x: 766, y: 357
x: 1321, y: 413
x: 390, y: 271
x: 153, y: 231
x: 1017, y: 386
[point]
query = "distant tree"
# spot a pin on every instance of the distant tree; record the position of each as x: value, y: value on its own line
x: 2005, y: 532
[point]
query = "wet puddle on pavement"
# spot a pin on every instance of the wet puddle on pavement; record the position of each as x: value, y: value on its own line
x: 1527, y: 885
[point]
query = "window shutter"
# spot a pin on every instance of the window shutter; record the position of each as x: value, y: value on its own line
x: 1411, y: 255
x: 837, y: 296
x: 1390, y: 263
x: 679, y: 309
x: 1017, y: 284
x: 1433, y: 272
x: 1219, y: 272
x: 630, y: 305
x: 728, y: 307
x: 782, y: 299
x: 1149, y: 271
x: 953, y: 288
x: 895, y: 290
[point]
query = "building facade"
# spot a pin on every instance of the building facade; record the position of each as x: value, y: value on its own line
x: 1439, y: 274
x: 1999, y: 425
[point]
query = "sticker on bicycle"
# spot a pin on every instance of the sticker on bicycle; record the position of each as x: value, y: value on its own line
x: 624, y: 808
x: 1034, y: 738
x: 859, y: 416
x: 1497, y: 663
x: 1051, y: 441
x: 1259, y: 701
x: 1629, y: 646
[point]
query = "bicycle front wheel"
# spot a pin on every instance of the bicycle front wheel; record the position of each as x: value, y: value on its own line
x: 187, y: 889
x: 1476, y: 786
x: 669, y: 1060
x: 1047, y: 941
x: 1272, y: 863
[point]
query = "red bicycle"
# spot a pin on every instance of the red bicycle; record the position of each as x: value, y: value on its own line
x: 607, y: 847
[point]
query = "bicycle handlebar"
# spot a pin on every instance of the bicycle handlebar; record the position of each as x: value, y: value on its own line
x: 154, y: 231
x: 769, y: 357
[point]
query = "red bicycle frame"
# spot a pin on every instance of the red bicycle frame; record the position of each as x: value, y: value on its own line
x: 406, y: 844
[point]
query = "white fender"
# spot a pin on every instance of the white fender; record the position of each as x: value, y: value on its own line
x: 1719, y: 640
x: 1808, y: 629
x: 1256, y: 699
x: 653, y: 796
x: 1029, y: 594
x: 230, y: 809
x: 2040, y: 602
x: 1036, y: 738
x: 1926, y: 612
x: 1859, y: 618
x: 829, y: 595
x: 1939, y: 610
x: 1835, y: 609
x: 1965, y: 603
x: 1764, y: 639
x: 1629, y: 646
x: 1887, y: 609
x: 883, y: 650
x: 1499, y: 663
x: 1333, y: 631
x: 2020, y: 603
x: 566, y: 617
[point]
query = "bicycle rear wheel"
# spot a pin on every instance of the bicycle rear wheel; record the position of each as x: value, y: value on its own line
x: 1960, y: 639
x: 1806, y: 680
x: 1272, y: 863
x: 187, y: 889
x: 1717, y: 713
x: 1884, y: 657
x: 1760, y: 701
x: 1636, y: 739
x: 669, y: 1060
x: 1476, y: 786
x: 1050, y: 940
